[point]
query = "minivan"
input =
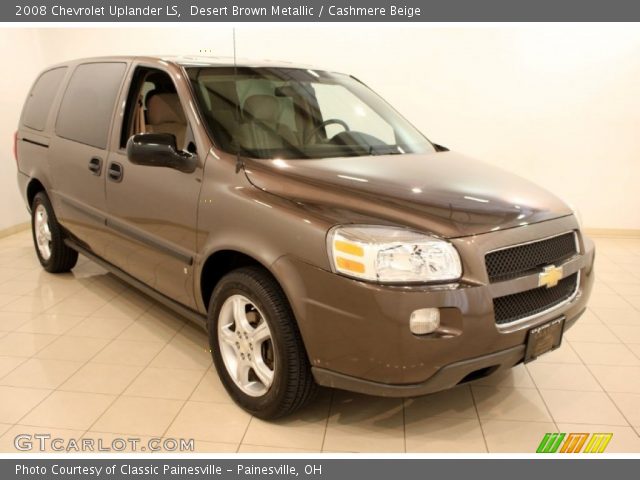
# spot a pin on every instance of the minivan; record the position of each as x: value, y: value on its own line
x: 317, y: 236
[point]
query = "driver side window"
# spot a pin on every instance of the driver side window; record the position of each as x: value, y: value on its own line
x: 336, y: 102
x: 153, y: 106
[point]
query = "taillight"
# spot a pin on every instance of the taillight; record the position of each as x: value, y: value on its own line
x: 15, y: 146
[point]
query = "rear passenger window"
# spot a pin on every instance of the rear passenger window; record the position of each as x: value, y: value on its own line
x: 88, y: 103
x: 40, y: 99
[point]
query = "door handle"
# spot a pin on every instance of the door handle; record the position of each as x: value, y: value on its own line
x: 115, y: 172
x: 95, y: 166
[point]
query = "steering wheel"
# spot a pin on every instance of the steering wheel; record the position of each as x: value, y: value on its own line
x: 327, y: 122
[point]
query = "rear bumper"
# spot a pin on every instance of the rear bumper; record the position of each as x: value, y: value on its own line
x: 23, y: 182
x: 357, y: 334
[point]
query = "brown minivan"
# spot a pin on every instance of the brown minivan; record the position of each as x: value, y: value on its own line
x: 317, y: 236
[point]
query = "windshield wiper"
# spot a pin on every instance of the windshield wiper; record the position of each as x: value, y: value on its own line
x: 375, y: 151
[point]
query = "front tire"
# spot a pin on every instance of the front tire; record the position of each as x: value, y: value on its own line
x: 256, y: 346
x: 48, y: 237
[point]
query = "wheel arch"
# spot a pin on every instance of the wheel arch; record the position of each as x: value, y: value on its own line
x: 221, y: 262
x: 34, y: 187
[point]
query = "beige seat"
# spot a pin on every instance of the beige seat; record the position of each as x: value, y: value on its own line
x: 261, y: 128
x: 165, y: 115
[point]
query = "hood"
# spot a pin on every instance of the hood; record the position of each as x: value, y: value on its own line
x: 443, y: 193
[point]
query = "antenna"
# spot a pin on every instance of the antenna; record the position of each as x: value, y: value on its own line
x: 239, y: 162
x: 235, y: 60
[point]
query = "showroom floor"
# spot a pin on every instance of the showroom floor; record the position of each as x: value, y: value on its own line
x: 82, y: 355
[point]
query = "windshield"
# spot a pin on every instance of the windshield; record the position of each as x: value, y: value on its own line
x: 295, y: 113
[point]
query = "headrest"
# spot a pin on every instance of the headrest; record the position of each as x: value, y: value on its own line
x: 165, y: 108
x: 261, y: 107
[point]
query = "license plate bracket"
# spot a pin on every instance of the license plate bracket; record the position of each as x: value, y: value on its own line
x: 543, y: 339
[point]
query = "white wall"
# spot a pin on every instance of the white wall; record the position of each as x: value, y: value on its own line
x: 559, y: 104
x: 23, y: 60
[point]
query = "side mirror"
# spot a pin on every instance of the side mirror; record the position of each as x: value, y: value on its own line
x: 159, y: 150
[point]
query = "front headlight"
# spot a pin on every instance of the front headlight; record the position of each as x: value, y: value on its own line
x: 392, y: 255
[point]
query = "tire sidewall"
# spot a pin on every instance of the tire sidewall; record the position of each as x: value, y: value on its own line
x: 232, y: 285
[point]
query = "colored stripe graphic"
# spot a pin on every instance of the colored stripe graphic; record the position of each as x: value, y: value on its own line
x: 574, y: 443
x: 550, y: 443
x: 598, y: 442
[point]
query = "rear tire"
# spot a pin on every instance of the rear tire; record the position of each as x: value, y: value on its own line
x: 48, y: 237
x: 269, y: 377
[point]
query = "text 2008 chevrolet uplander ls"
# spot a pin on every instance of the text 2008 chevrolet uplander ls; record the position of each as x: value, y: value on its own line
x: 317, y: 235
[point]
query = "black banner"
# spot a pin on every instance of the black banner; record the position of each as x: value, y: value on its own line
x: 370, y: 469
x: 318, y: 11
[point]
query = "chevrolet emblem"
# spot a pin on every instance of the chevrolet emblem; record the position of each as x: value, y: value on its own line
x: 550, y: 276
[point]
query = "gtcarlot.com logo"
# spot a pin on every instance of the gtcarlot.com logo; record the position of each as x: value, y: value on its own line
x: 574, y: 442
x: 44, y: 442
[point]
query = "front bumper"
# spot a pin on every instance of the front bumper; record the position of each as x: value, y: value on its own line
x: 357, y: 334
x: 446, y: 377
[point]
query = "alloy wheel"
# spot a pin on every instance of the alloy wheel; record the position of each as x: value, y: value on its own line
x: 246, y: 345
x: 42, y: 232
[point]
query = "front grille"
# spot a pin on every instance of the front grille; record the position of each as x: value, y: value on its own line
x: 528, y: 258
x: 532, y: 302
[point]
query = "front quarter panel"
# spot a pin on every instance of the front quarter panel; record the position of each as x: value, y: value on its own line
x: 235, y: 215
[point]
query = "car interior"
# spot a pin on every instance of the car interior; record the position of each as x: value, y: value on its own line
x: 157, y: 107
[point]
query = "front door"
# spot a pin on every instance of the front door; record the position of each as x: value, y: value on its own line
x: 152, y: 211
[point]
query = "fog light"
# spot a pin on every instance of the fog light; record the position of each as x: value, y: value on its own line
x: 425, y: 320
